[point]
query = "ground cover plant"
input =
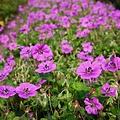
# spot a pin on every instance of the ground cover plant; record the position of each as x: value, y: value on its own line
x: 62, y: 62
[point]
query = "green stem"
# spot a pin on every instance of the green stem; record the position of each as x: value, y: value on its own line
x: 5, y: 117
x: 50, y: 102
x: 11, y: 102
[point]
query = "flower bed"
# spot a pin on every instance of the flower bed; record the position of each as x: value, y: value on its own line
x: 62, y: 62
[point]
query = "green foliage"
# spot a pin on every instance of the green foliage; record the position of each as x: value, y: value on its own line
x: 9, y: 7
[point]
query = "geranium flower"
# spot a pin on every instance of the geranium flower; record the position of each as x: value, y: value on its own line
x: 88, y: 70
x: 75, y: 7
x: 65, y: 22
x: 7, y: 91
x: 46, y: 67
x: 66, y: 48
x: 40, y: 15
x: 42, y: 36
x: 12, y: 45
x: 101, y: 60
x: 25, y: 52
x: 31, y: 115
x: 63, y: 42
x: 4, y: 38
x: 50, y: 34
x: 93, y: 105
x: 83, y: 33
x: 41, y: 52
x: 3, y: 75
x: 26, y: 90
x: 84, y: 5
x: 113, y: 64
x: 31, y: 18
x: 10, y: 57
x: 12, y: 25
x: 25, y: 29
x: 10, y: 63
x: 107, y: 90
x: 87, y: 47
x: 20, y: 8
x: 13, y: 35
x: 85, y: 56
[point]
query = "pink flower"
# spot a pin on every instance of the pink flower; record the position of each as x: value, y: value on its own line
x: 66, y: 48
x: 46, y: 67
x: 107, y: 90
x: 87, y: 47
x: 88, y: 70
x: 64, y: 42
x: 41, y: 52
x: 12, y: 45
x: 7, y: 91
x: 4, y: 38
x: 26, y: 90
x: 93, y: 105
x: 42, y: 36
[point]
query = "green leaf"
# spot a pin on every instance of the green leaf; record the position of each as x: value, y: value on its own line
x: 11, y: 115
x: 113, y: 110
x: 43, y: 119
x: 54, y: 100
x: 60, y: 82
x: 78, y: 86
x: 16, y: 118
x: 56, y: 114
x: 82, y: 110
x: 33, y: 119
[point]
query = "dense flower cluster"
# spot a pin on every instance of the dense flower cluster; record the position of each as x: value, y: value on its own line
x: 52, y: 29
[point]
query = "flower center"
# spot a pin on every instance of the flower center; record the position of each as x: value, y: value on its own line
x: 40, y: 52
x: 66, y: 49
x: 89, y: 70
x: 5, y: 91
x: 99, y: 60
x: 112, y: 65
x: 46, y: 67
x: 92, y: 105
x: 108, y: 90
x: 1, y: 76
x: 26, y: 90
x: 23, y: 29
x: 28, y: 51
